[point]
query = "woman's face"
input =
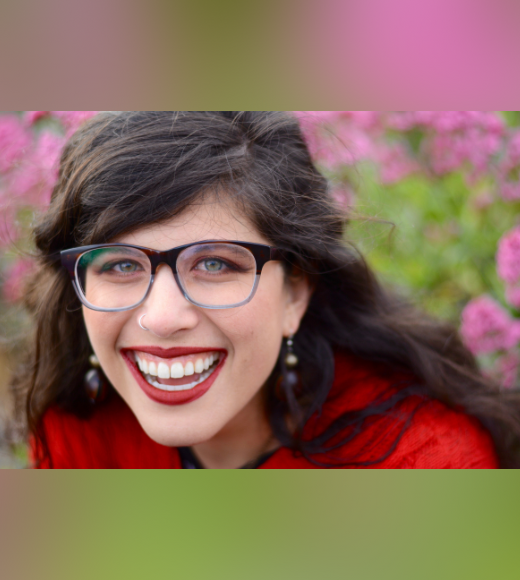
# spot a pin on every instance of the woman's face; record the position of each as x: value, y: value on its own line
x: 243, y: 342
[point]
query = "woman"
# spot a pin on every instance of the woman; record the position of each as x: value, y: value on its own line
x: 196, y: 306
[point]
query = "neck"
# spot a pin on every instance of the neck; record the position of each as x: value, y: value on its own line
x: 243, y: 440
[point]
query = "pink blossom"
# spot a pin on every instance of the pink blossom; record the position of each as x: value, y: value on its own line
x: 513, y: 295
x: 32, y: 116
x: 33, y: 181
x: 453, y: 139
x: 461, y: 121
x: 396, y: 163
x: 487, y: 327
x: 401, y: 120
x: 73, y: 119
x: 14, y: 140
x: 16, y: 277
x: 333, y: 152
x: 338, y: 138
x: 367, y: 120
x: 317, y: 117
x: 341, y: 145
x: 309, y: 126
x: 510, y: 191
x: 450, y: 151
x: 312, y: 125
x: 508, y: 256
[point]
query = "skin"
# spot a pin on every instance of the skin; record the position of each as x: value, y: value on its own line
x: 227, y: 426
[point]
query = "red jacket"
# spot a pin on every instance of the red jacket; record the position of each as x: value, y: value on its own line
x: 436, y: 437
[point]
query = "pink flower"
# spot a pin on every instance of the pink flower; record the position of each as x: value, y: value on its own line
x: 513, y: 295
x: 73, y: 119
x: 396, y: 163
x: 487, y: 327
x: 33, y: 181
x: 32, y: 116
x: 460, y: 121
x: 508, y: 256
x: 401, y: 120
x: 367, y: 120
x: 317, y: 117
x: 14, y: 140
x: 454, y: 139
x: 338, y: 138
x: 510, y: 191
x: 16, y: 277
x: 450, y: 151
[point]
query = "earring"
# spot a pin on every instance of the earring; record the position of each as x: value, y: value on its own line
x: 286, y: 386
x: 291, y: 360
x: 94, y: 382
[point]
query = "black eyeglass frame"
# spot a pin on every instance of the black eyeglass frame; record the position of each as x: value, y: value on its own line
x: 262, y: 254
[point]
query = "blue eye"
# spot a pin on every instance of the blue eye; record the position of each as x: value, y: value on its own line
x: 213, y: 265
x: 126, y: 267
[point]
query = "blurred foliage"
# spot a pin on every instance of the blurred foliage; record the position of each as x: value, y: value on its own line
x: 434, y: 239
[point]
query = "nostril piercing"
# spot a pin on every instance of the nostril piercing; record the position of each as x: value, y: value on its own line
x: 141, y: 324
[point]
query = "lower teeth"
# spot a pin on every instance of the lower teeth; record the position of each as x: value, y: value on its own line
x: 185, y: 387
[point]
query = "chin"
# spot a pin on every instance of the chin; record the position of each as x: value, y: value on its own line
x: 170, y: 433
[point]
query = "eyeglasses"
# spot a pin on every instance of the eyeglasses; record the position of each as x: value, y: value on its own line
x: 211, y: 274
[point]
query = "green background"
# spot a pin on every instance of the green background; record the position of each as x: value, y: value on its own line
x: 257, y: 525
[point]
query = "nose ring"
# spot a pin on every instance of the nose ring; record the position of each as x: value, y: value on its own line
x: 140, y: 323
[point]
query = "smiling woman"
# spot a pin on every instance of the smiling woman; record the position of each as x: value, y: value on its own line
x: 197, y: 261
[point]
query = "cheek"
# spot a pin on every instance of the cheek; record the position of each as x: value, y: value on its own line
x: 255, y: 330
x: 104, y: 330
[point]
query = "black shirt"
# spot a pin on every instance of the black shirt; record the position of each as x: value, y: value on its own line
x: 190, y: 461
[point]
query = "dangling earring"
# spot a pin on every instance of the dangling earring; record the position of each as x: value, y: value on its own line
x: 291, y: 360
x: 289, y: 379
x: 95, y: 383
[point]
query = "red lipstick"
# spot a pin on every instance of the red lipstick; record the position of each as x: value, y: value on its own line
x: 172, y: 352
x: 172, y: 397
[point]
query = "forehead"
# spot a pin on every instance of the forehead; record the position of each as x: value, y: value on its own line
x: 210, y: 218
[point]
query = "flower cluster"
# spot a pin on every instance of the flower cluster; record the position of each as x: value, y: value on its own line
x: 30, y: 148
x: 484, y: 148
x: 477, y: 142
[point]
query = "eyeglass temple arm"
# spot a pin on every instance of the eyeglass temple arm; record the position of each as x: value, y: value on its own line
x: 276, y: 254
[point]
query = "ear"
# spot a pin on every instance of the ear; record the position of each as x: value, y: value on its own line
x: 298, y: 291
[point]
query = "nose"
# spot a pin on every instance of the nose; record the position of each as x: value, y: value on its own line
x: 167, y: 310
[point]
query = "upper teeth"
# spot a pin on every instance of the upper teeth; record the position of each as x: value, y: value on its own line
x: 177, y: 370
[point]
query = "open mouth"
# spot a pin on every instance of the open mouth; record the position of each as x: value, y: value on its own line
x: 174, y: 380
x: 182, y: 374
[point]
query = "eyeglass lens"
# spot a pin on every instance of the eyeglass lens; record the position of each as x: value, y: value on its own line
x: 213, y: 275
